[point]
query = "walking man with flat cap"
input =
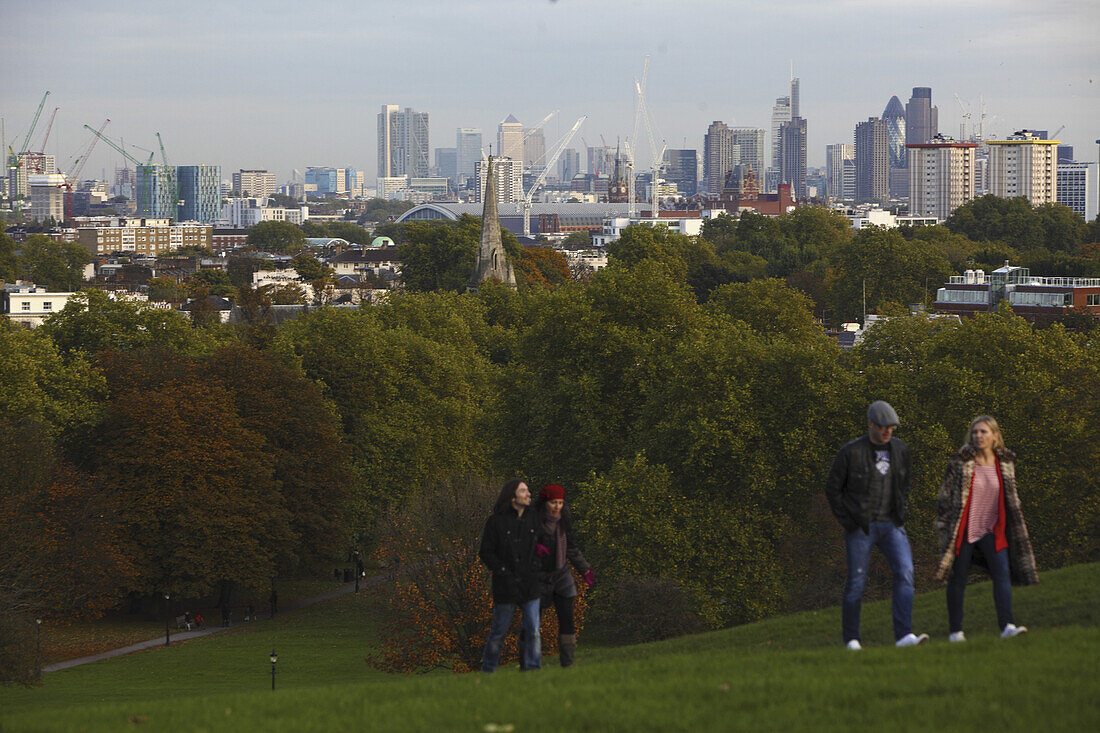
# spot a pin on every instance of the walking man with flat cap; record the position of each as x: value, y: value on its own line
x: 868, y: 491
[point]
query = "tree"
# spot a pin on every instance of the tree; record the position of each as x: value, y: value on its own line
x: 165, y: 288
x: 308, y: 267
x: 56, y: 266
x: 277, y: 236
x: 210, y: 282
x: 769, y: 307
x: 543, y: 266
x: 991, y: 218
x: 196, y: 493
x: 679, y: 253
x: 720, y: 231
x: 91, y: 322
x: 579, y: 238
x: 9, y: 266
x: 436, y: 256
x: 351, y: 232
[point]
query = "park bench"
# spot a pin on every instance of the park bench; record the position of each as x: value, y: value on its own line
x: 183, y: 623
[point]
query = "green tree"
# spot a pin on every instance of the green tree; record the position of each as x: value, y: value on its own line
x: 309, y: 268
x: 9, y: 267
x: 580, y: 238
x: 91, y: 322
x: 56, y: 266
x: 213, y: 282
x: 1012, y: 222
x: 164, y: 288
x: 351, y: 232
x: 277, y: 236
x: 436, y: 256
x: 678, y: 252
x: 769, y: 307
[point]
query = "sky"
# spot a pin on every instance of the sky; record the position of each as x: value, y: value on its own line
x: 283, y: 85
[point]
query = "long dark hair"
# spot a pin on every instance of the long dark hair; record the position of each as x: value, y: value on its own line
x: 507, y: 493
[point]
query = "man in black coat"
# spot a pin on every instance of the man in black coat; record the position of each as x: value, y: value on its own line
x: 508, y: 550
x: 868, y: 491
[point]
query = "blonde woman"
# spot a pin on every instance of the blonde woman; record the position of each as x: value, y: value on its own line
x: 979, y: 520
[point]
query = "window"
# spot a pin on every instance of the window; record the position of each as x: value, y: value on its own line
x: 1093, y: 299
x: 47, y: 305
x: 26, y: 305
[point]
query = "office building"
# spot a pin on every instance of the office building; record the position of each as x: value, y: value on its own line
x: 941, y: 176
x: 47, y: 196
x: 681, y: 167
x: 894, y: 117
x: 508, y: 175
x: 781, y: 112
x: 570, y: 163
x: 1035, y: 298
x: 792, y: 156
x: 510, y: 140
x: 921, y: 118
x: 872, y: 160
x: 157, y: 196
x: 534, y: 150
x: 836, y: 156
x: 200, y: 195
x: 1024, y: 165
x: 257, y: 183
x: 468, y: 146
x: 1077, y: 188
x: 750, y: 146
x: 28, y: 164
x: 446, y: 163
x: 403, y: 138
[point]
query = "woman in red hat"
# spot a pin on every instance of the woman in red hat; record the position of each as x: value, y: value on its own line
x: 558, y: 549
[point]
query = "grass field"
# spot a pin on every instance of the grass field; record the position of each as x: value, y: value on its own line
x: 781, y: 674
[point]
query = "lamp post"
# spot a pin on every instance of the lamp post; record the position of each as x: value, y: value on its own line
x: 38, y: 646
x: 167, y: 631
x: 358, y: 569
x: 274, y: 658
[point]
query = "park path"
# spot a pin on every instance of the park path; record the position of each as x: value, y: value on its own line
x: 185, y: 635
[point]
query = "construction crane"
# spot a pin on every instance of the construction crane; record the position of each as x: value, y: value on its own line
x: 174, y: 182
x: 114, y: 145
x: 643, y: 113
x: 966, y: 114
x: 1056, y: 133
x: 34, y: 123
x: 49, y: 129
x: 73, y: 178
x: 558, y: 148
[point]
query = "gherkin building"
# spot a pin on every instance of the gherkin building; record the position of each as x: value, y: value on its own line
x: 894, y: 115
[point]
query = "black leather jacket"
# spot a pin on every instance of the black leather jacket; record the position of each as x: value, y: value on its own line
x: 848, y: 485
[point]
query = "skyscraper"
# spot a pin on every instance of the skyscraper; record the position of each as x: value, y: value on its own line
x: 256, y: 183
x: 720, y: 155
x: 781, y: 112
x: 156, y: 192
x: 750, y: 144
x: 682, y: 168
x: 446, y: 161
x: 941, y: 176
x: 507, y: 177
x: 534, y: 151
x: 921, y: 118
x: 510, y: 140
x: 403, y: 138
x: 872, y: 160
x: 835, y: 157
x: 200, y: 195
x: 468, y: 143
x: 792, y: 156
x: 894, y: 116
x: 570, y: 164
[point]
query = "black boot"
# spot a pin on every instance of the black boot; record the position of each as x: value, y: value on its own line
x: 567, y: 643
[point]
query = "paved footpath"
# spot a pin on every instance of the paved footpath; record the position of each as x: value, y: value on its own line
x: 185, y: 635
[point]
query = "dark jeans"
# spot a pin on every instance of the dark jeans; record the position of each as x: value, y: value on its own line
x: 894, y: 544
x: 563, y: 607
x: 998, y: 570
x: 531, y: 651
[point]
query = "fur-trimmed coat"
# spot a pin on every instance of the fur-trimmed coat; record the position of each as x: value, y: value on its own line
x: 953, y: 498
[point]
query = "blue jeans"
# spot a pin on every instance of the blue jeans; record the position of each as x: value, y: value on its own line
x: 894, y: 544
x: 532, y: 642
x: 998, y: 570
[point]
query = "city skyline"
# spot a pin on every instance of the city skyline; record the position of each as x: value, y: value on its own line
x: 230, y: 85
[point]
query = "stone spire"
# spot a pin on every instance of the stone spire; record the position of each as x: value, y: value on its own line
x: 491, y: 264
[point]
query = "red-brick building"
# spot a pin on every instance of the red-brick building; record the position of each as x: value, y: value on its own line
x: 1038, y: 299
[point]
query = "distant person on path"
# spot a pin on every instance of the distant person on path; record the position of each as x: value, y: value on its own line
x: 978, y: 519
x: 557, y: 550
x: 508, y: 550
x: 868, y: 491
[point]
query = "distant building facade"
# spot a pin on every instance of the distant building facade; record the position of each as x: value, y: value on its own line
x: 1035, y: 298
x: 894, y: 117
x: 1077, y: 188
x: 1024, y: 165
x: 403, y: 139
x: 840, y: 159
x: 200, y: 194
x: 468, y: 151
x: 144, y: 236
x: 254, y: 183
x: 510, y: 141
x: 941, y: 176
x: 681, y: 167
x: 872, y: 160
x: 922, y: 119
x: 508, y: 175
x: 792, y: 156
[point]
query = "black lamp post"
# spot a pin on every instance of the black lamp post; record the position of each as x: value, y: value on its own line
x: 274, y: 658
x: 358, y: 569
x: 38, y: 646
x: 167, y: 632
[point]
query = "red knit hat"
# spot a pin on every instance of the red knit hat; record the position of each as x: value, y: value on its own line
x: 551, y: 492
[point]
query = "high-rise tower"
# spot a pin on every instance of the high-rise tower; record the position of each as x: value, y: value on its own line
x: 792, y: 156
x: 872, y: 160
x: 921, y: 118
x: 468, y: 145
x: 510, y: 140
x: 403, y: 138
x: 894, y: 117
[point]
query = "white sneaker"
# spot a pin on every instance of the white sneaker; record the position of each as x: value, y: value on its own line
x: 854, y: 645
x: 1011, y: 630
x: 957, y: 636
x: 912, y: 640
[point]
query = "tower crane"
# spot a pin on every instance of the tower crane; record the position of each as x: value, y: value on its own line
x: 72, y: 179
x: 173, y: 179
x: 34, y: 123
x: 553, y: 159
x: 966, y: 114
x: 45, y: 138
x: 99, y: 135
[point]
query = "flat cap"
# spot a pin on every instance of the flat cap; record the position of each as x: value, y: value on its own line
x: 881, y: 413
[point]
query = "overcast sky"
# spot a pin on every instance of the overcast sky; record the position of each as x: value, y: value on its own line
x: 284, y: 85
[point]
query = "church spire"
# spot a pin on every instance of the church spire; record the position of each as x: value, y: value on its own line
x: 492, y: 263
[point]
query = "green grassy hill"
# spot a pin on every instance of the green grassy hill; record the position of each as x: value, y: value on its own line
x: 781, y: 674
